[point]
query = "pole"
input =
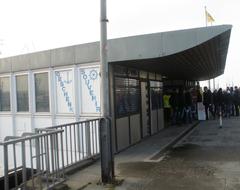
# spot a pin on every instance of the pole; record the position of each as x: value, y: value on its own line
x: 206, y: 16
x: 214, y: 84
x: 220, y: 117
x: 209, y: 84
x: 107, y: 160
x: 206, y: 22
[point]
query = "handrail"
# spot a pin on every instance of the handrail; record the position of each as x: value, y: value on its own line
x: 49, y: 151
x: 20, y: 139
x: 80, y: 140
x: 73, y: 123
x: 41, y: 153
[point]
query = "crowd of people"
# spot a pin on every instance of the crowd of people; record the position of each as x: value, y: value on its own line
x: 225, y: 102
x: 184, y: 103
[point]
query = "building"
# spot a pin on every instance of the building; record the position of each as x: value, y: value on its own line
x: 62, y: 85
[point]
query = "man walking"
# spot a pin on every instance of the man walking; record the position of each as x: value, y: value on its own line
x: 173, y: 101
x: 207, y: 101
x: 236, y: 100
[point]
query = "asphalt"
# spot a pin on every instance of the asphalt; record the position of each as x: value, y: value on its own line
x: 207, y: 158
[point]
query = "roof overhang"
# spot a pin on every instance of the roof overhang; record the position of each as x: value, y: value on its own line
x: 194, y: 54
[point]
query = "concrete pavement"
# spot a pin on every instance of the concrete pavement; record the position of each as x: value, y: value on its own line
x: 206, y: 159
x: 141, y: 152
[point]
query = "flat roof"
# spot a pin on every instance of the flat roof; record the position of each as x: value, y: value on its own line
x: 192, y: 54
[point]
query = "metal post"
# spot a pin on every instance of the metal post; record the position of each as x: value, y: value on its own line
x: 107, y: 164
x: 38, y: 156
x: 88, y: 139
x: 209, y: 84
x: 24, y: 169
x: 214, y: 85
x: 6, y: 179
x: 220, y: 117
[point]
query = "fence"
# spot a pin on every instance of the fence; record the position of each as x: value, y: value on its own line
x: 80, y: 140
x: 36, y: 158
x: 42, y: 157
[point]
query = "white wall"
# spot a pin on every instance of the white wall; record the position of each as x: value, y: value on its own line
x: 71, y: 99
x: 22, y: 124
x: 6, y: 128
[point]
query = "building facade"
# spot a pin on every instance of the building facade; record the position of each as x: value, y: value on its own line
x: 62, y: 85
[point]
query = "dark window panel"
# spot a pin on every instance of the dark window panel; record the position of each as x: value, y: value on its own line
x: 5, y: 94
x: 127, y: 96
x: 22, y: 93
x: 41, y: 92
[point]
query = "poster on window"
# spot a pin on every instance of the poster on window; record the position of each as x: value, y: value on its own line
x: 90, y: 90
x: 65, y: 98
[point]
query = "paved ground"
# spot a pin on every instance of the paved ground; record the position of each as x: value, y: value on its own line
x: 207, y: 159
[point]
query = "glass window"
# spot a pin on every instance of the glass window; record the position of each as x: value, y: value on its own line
x: 65, y: 92
x: 120, y: 71
x: 133, y: 73
x: 90, y: 90
x: 4, y: 94
x: 22, y: 93
x: 121, y: 96
x: 156, y: 98
x: 41, y: 92
x: 127, y: 96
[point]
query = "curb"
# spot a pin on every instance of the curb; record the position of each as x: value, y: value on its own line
x: 155, y: 156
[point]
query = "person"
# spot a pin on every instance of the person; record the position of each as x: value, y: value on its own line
x: 194, y: 102
x: 220, y: 101
x: 227, y: 103
x: 232, y: 101
x: 236, y: 100
x: 199, y: 94
x: 207, y: 101
x: 188, y: 106
x: 167, y: 106
x: 215, y: 103
x: 181, y: 106
x: 173, y: 101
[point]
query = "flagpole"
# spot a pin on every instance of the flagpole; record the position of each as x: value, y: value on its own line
x: 206, y: 16
x: 206, y: 20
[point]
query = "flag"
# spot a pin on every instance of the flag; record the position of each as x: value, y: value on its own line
x: 209, y: 17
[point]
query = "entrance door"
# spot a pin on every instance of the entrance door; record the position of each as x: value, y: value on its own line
x: 145, y: 109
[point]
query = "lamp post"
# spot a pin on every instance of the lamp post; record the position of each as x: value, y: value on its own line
x: 107, y: 163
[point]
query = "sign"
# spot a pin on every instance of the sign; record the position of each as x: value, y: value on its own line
x: 65, y: 98
x: 90, y: 90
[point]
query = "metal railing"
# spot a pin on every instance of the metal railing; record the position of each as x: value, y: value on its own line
x: 80, y: 140
x: 41, y: 158
x: 38, y: 158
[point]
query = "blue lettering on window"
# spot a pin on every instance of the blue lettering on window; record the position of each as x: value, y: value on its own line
x: 63, y: 88
x: 93, y: 74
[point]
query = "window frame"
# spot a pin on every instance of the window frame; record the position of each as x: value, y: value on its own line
x: 160, y: 88
x: 73, y: 91
x: 10, y: 93
x: 129, y: 113
x: 34, y: 92
x: 80, y: 68
x: 29, y: 93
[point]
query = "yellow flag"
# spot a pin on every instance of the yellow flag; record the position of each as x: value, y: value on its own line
x: 209, y: 17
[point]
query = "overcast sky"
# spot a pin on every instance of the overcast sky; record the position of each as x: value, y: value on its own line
x: 33, y: 25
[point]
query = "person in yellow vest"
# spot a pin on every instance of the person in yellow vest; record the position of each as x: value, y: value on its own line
x: 167, y: 107
x: 166, y: 103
